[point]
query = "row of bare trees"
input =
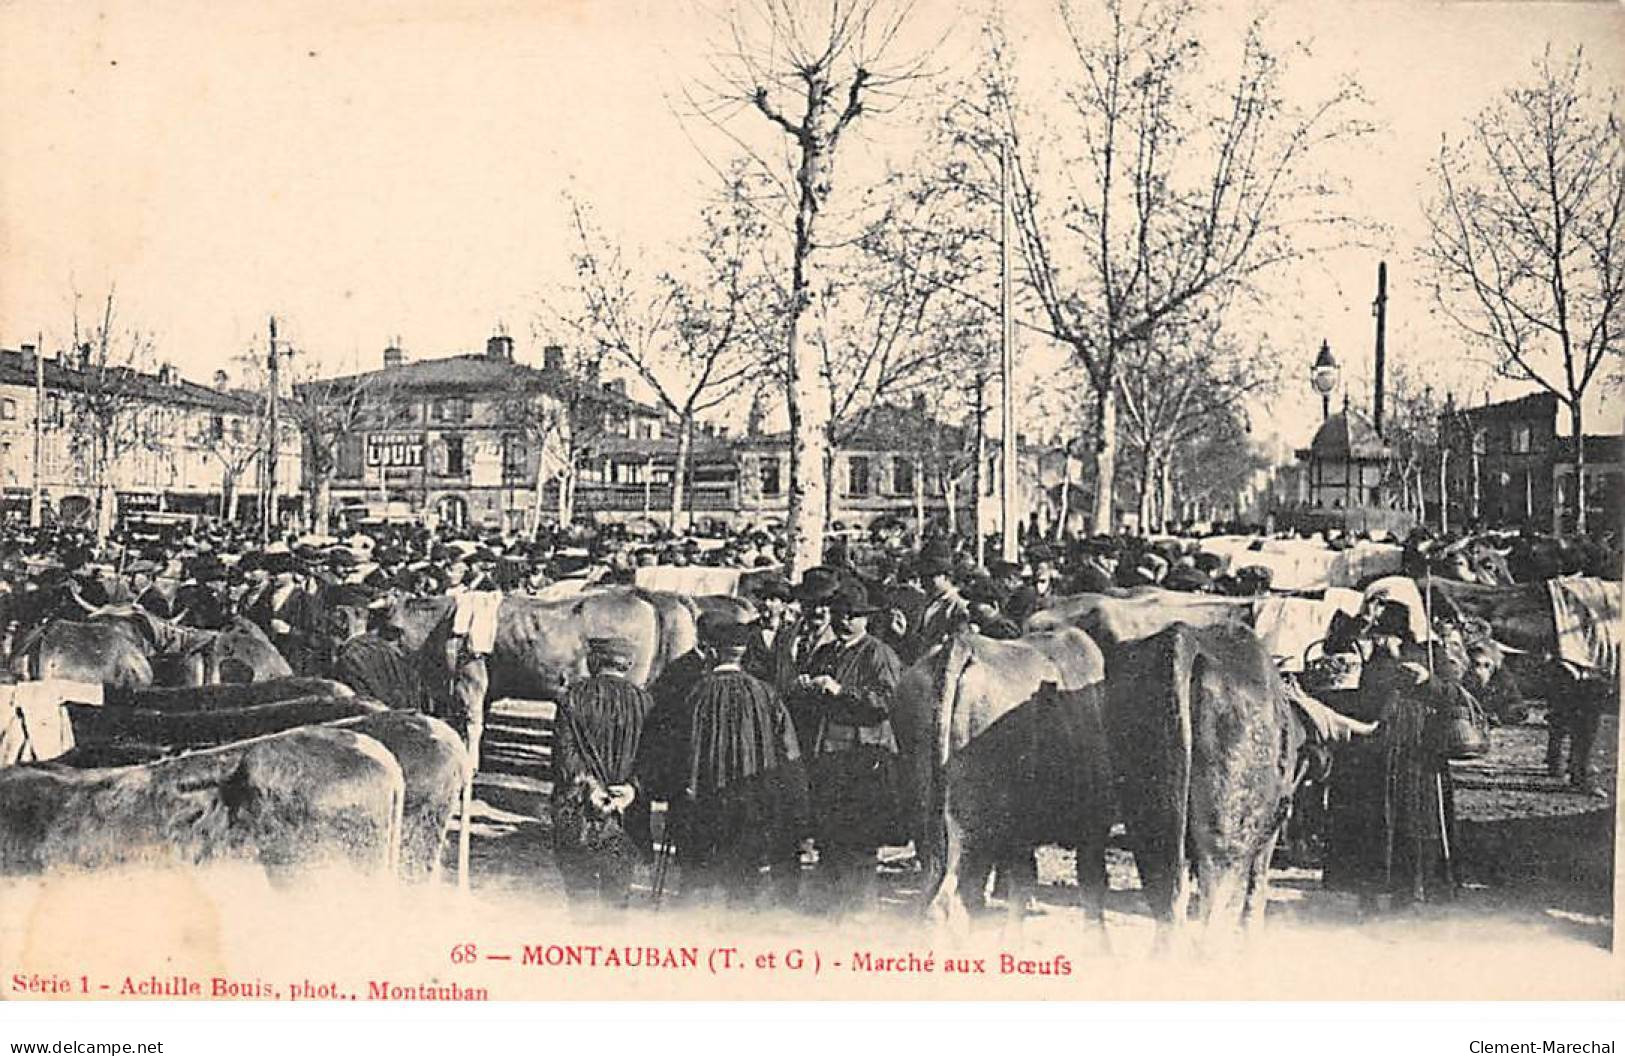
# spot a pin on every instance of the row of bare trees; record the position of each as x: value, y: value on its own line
x: 1162, y: 188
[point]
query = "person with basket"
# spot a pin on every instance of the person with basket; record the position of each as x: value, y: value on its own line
x: 1392, y: 804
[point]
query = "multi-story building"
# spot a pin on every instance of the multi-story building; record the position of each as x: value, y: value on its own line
x: 476, y: 439
x: 180, y: 447
x: 1505, y: 465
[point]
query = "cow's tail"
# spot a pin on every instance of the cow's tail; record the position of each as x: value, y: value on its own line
x: 670, y: 639
x: 1156, y: 742
x: 956, y: 656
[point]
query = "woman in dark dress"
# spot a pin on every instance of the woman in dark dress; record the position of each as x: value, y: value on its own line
x: 1390, y: 804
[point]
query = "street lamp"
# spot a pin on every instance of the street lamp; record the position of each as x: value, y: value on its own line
x: 1323, y: 376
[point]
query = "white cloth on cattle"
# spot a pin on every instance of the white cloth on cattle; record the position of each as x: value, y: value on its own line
x: 693, y: 580
x: 1401, y: 589
x: 1586, y: 613
x: 1364, y: 561
x: 1289, y: 626
x: 476, y: 619
x: 35, y: 726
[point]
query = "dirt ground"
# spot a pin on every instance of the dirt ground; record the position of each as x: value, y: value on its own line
x: 1531, y: 855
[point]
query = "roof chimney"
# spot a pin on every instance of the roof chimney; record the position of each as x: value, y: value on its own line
x: 167, y: 374
x: 616, y: 385
x: 553, y: 359
x: 27, y: 357
x: 393, y: 356
x: 499, y: 346
x: 221, y: 380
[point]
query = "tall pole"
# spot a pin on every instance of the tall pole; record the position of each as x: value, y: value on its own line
x: 36, y: 504
x: 1380, y: 309
x: 273, y: 439
x: 1007, y: 373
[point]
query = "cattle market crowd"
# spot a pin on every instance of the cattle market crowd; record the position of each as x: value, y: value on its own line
x: 774, y: 729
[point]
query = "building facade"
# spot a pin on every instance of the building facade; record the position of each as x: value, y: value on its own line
x: 475, y: 440
x: 178, y: 447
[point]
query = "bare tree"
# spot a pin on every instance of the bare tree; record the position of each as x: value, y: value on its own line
x: 1526, y: 235
x: 110, y: 412
x: 684, y: 333
x: 1169, y: 192
x: 558, y: 416
x: 1182, y: 385
x: 235, y: 441
x: 329, y: 415
x: 811, y: 70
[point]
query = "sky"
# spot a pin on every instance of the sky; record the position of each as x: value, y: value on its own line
x: 368, y: 170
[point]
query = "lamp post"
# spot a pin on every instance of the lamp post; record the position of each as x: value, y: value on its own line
x: 1323, y: 376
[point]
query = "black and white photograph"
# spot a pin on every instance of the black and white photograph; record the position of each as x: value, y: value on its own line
x: 810, y: 499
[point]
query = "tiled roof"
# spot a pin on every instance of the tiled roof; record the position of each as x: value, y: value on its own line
x: 480, y: 373
x: 1348, y: 436
x: 59, y: 377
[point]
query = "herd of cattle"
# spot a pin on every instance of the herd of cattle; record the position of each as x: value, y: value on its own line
x: 1160, y: 710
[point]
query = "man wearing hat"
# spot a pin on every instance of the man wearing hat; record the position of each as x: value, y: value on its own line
x: 370, y: 659
x: 849, y: 684
x: 599, y: 726
x: 739, y: 788
x: 945, y: 611
x: 288, y: 610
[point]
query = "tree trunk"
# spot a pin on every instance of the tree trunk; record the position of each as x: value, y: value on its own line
x: 806, y: 393
x: 1164, y: 491
x: 538, y: 496
x: 1148, y: 486
x: 679, y: 472
x: 1444, y: 489
x: 919, y: 501
x: 1066, y: 505
x: 950, y: 494
x: 321, y: 503
x: 1101, y: 522
x: 979, y: 474
x: 106, y: 511
x: 228, y: 496
x: 1577, y: 427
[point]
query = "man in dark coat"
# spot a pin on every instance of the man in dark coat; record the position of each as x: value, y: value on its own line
x: 372, y: 662
x: 744, y: 790
x: 849, y: 683
x: 599, y: 726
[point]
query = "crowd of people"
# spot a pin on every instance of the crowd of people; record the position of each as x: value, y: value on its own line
x: 772, y: 741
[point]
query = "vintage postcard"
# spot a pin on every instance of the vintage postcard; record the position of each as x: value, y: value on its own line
x: 810, y: 499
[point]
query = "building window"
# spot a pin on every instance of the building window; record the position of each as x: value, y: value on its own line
x: 1520, y: 439
x: 857, y: 481
x: 513, y: 457
x: 1481, y: 442
x: 217, y: 428
x: 902, y: 478
x: 770, y: 474
x: 8, y: 409
x: 454, y: 456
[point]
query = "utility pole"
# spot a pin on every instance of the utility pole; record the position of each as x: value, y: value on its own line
x: 1379, y: 308
x: 36, y: 504
x: 1008, y: 513
x: 273, y: 439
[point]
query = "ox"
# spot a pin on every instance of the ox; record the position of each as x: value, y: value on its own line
x: 1004, y: 751
x: 1206, y: 754
x: 129, y: 648
x: 307, y: 797
x: 435, y: 765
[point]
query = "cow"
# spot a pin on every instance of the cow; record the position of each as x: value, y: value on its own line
x: 224, y: 696
x: 211, y: 728
x: 1205, y: 750
x: 130, y: 648
x: 1132, y: 615
x: 308, y: 797
x: 435, y: 765
x: 1004, y: 750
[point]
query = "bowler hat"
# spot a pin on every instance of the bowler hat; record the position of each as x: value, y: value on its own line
x: 852, y: 600
x: 818, y: 585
